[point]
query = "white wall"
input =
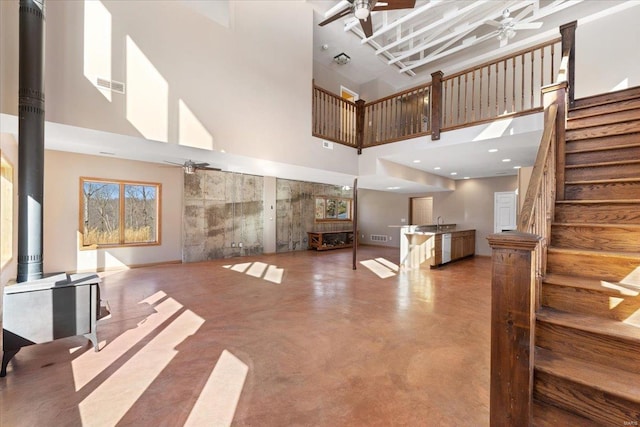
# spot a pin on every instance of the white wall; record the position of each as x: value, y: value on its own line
x: 62, y: 204
x: 606, y: 57
x: 381, y: 212
x: 245, y: 88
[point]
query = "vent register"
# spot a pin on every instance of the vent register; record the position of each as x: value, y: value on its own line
x: 378, y: 238
x: 111, y: 85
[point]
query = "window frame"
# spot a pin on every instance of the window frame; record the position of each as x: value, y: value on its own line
x: 8, y: 208
x: 324, y: 201
x: 121, y: 213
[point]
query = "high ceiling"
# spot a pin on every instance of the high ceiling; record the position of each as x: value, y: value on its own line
x: 407, y: 45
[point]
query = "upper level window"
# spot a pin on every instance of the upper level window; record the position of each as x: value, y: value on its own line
x: 333, y: 209
x: 119, y: 213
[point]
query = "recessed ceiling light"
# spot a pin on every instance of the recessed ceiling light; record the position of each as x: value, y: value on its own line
x: 416, y: 161
x: 437, y: 168
x: 493, y: 150
x: 517, y: 167
x: 454, y: 173
x: 467, y: 177
x: 393, y: 188
x: 506, y: 160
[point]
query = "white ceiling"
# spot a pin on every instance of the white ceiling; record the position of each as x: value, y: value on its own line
x: 409, y: 44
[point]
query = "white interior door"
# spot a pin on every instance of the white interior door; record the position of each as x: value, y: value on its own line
x: 505, y: 211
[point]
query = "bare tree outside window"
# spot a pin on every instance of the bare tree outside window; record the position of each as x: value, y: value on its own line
x: 119, y: 213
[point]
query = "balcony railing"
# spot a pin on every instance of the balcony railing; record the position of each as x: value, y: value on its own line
x: 506, y: 87
x: 394, y: 118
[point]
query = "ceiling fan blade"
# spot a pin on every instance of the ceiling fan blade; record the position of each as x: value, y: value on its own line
x: 395, y: 4
x: 173, y: 163
x: 200, y: 165
x: 527, y: 26
x: 493, y: 23
x: 209, y: 169
x: 344, y: 12
x: 367, y: 27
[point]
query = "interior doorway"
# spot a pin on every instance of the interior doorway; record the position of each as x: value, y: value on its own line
x: 505, y: 211
x: 348, y: 94
x: 421, y: 210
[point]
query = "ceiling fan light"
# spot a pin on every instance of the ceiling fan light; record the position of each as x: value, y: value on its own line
x: 189, y: 169
x: 361, y: 9
x: 510, y: 33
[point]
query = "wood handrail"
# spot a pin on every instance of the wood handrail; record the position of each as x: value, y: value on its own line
x: 535, y: 183
x: 333, y: 95
x: 504, y: 58
x: 399, y: 94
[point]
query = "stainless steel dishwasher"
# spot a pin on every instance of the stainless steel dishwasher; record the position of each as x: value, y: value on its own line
x: 446, y: 247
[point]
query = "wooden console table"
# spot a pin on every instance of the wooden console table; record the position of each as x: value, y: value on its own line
x: 325, y: 240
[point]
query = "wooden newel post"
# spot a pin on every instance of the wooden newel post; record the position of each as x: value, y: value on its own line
x: 360, y: 105
x: 436, y: 104
x: 568, y: 34
x: 512, y: 328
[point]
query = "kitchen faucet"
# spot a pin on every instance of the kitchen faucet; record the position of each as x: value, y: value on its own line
x: 438, y: 223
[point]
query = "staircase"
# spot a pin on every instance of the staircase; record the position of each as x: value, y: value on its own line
x: 587, y: 355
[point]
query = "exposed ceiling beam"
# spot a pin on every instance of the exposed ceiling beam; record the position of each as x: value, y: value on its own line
x: 338, y: 7
x: 375, y: 45
x: 554, y: 7
x: 405, y: 18
x: 465, y: 29
x: 444, y: 20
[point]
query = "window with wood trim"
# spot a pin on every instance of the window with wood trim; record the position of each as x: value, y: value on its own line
x: 6, y: 211
x: 119, y: 213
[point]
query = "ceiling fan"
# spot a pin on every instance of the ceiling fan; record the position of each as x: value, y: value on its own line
x: 362, y: 10
x: 507, y: 26
x: 190, y: 167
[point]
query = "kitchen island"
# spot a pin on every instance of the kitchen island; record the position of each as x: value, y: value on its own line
x: 436, y: 245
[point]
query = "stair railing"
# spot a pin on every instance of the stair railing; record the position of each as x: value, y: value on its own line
x: 519, y: 262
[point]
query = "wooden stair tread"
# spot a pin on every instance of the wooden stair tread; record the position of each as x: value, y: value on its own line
x: 604, y: 148
x: 606, y: 98
x: 603, y: 181
x: 547, y: 415
x: 595, y: 224
x: 607, y: 379
x: 596, y: 201
x: 613, y: 163
x: 589, y: 283
x: 629, y: 255
x: 588, y: 323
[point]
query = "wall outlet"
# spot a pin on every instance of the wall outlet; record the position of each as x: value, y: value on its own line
x: 403, y: 220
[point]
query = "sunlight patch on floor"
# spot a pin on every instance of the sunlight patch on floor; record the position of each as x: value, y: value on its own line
x: 381, y: 270
x: 111, y: 400
x: 260, y: 270
x: 90, y: 364
x: 218, y: 400
x: 388, y: 264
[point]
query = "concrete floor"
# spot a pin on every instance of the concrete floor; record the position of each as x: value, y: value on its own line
x: 280, y: 340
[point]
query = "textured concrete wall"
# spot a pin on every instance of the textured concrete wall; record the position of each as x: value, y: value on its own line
x: 295, y: 212
x: 223, y: 215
